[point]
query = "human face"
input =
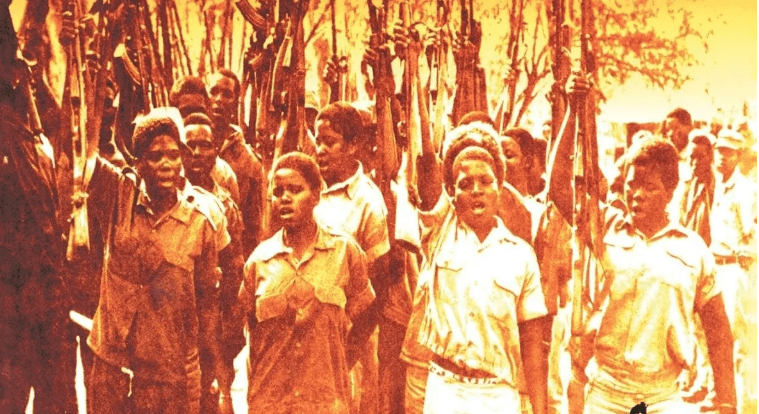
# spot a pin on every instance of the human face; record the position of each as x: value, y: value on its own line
x: 647, y: 198
x: 475, y: 192
x: 725, y: 159
x: 293, y: 200
x: 160, y: 165
x: 516, y: 171
x: 676, y: 132
x: 223, y: 100
x: 701, y: 159
x: 334, y: 156
x: 202, y: 151
x: 191, y: 103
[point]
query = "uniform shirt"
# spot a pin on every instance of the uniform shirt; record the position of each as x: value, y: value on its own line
x: 645, y: 338
x: 302, y: 311
x: 356, y: 207
x: 160, y: 278
x: 694, y: 207
x: 733, y: 216
x: 251, y: 181
x: 472, y: 295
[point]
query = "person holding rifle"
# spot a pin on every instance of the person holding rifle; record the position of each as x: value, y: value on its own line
x: 477, y: 322
x: 659, y: 278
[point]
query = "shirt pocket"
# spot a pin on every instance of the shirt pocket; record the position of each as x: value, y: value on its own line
x: 502, y: 298
x: 625, y: 265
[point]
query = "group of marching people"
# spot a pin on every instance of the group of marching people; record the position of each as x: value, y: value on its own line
x: 200, y: 250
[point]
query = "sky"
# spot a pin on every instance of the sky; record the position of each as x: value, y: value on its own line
x: 728, y: 71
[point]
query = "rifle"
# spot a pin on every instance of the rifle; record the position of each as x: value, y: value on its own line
x: 385, y: 137
x: 406, y: 233
x: 341, y: 63
x: 75, y: 87
x: 560, y: 67
x: 586, y: 189
x: 437, y: 80
x: 471, y: 89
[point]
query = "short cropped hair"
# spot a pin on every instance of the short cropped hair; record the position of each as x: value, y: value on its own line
x: 475, y: 134
x: 524, y: 139
x: 159, y: 121
x: 198, y: 118
x: 476, y: 116
x: 231, y: 75
x: 303, y: 164
x: 681, y: 115
x: 187, y: 85
x: 344, y: 119
x: 661, y: 156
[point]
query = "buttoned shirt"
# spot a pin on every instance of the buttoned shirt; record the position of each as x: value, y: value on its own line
x: 356, y: 207
x: 302, y: 311
x: 472, y: 295
x: 733, y: 216
x: 159, y: 278
x: 645, y: 338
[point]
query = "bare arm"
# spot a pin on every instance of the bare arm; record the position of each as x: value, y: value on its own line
x: 535, y: 360
x: 719, y: 341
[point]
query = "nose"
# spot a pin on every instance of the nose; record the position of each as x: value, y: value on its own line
x: 477, y: 188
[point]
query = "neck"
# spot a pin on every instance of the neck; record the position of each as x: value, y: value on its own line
x: 203, y: 181
x: 651, y: 226
x: 221, y: 132
x: 300, y: 237
x: 162, y: 200
x: 343, y: 175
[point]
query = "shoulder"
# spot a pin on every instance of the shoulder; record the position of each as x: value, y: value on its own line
x: 686, y: 245
x: 370, y: 194
x: 206, y: 204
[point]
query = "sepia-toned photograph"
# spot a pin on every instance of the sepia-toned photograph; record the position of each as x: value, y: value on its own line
x: 378, y: 206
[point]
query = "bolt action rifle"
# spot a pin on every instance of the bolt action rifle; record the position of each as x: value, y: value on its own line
x: 471, y: 89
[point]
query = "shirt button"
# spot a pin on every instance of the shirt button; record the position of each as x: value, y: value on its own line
x: 297, y: 344
x: 154, y: 230
x: 471, y: 314
x: 297, y: 393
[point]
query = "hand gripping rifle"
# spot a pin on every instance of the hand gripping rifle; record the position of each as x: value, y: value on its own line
x: 471, y: 89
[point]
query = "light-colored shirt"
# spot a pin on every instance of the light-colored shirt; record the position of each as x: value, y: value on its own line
x: 356, y: 207
x: 646, y: 338
x: 303, y: 310
x: 733, y: 216
x: 472, y: 295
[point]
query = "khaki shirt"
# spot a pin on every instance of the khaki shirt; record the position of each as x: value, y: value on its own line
x: 303, y: 310
x: 645, y: 338
x: 159, y: 281
x: 356, y: 207
x: 471, y: 296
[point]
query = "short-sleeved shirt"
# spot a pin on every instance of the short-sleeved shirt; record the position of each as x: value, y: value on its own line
x: 472, y: 295
x: 302, y: 311
x: 645, y: 338
x: 733, y: 216
x: 160, y: 274
x: 356, y: 207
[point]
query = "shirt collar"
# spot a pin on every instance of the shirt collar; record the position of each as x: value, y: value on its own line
x: 626, y: 224
x: 276, y: 245
x: 350, y: 185
x: 498, y: 235
x: 181, y: 211
x: 234, y: 137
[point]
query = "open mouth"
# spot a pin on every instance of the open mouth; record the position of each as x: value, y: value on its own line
x: 478, y: 207
x: 286, y: 212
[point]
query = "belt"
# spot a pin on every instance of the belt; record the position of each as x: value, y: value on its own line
x: 725, y: 260
x: 447, y: 369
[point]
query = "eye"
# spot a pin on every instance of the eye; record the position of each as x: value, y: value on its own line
x: 278, y: 191
x: 466, y: 184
